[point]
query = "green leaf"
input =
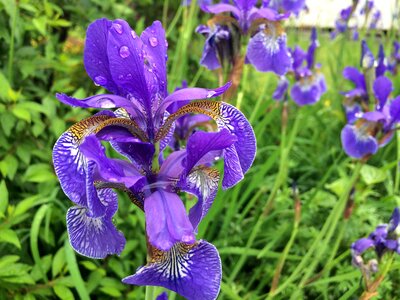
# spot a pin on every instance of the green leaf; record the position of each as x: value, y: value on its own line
x: 9, y: 166
x: 7, y: 123
x: 39, y: 173
x: 34, y: 238
x: 74, y: 271
x: 22, y: 113
x: 91, y: 266
x: 7, y: 260
x: 113, y: 292
x: 40, y: 24
x: 58, y: 262
x: 9, y: 236
x: 372, y: 175
x: 3, y: 197
x: 63, y: 292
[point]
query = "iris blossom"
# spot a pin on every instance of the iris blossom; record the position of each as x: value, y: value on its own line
x: 136, y: 123
x: 310, y: 83
x: 384, y: 239
x: 394, y: 58
x: 292, y: 6
x: 266, y: 50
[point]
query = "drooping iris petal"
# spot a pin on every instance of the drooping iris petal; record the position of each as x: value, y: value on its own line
x: 95, y: 55
x: 111, y: 170
x: 267, y: 13
x: 382, y: 89
x: 203, y: 182
x: 281, y: 89
x: 194, y: 272
x: 220, y: 8
x: 233, y: 172
x: 95, y: 237
x: 200, y: 143
x: 124, y: 49
x: 155, y: 49
x: 357, y: 144
x: 209, y: 58
x: 69, y: 163
x: 97, y: 101
x: 361, y: 245
x: 166, y: 220
x: 269, y: 53
x: 352, y: 74
x: 305, y: 93
x: 394, y: 110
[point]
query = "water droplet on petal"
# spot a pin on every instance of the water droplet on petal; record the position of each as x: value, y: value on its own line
x: 134, y: 35
x: 153, y: 41
x: 118, y: 28
x: 210, y: 94
x: 106, y: 103
x: 124, y: 52
x: 129, y: 76
x: 166, y: 43
x: 121, y: 77
x: 100, y: 80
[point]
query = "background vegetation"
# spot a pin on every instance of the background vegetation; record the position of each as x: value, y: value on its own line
x: 41, y: 44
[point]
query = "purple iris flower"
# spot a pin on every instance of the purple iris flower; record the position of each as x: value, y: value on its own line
x: 266, y: 50
x: 292, y: 6
x: 309, y: 83
x: 384, y: 239
x: 133, y: 69
x: 394, y: 58
x: 372, y: 129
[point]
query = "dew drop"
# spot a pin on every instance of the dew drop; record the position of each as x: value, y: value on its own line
x: 153, y: 41
x: 121, y: 77
x: 124, y: 52
x: 118, y: 28
x: 129, y: 76
x: 134, y: 35
x: 166, y: 43
x: 100, y: 80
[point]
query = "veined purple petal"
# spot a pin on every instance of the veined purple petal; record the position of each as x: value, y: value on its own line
x: 95, y: 55
x: 382, y: 89
x: 357, y: 144
x: 139, y: 153
x: 268, y: 53
x: 69, y: 162
x: 173, y: 167
x: 155, y: 49
x: 166, y: 220
x: 124, y: 49
x: 95, y: 237
x: 110, y: 170
x: 200, y: 143
x: 194, y: 273
x: 203, y: 183
x: 361, y: 245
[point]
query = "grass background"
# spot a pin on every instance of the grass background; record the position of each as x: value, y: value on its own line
x: 41, y: 44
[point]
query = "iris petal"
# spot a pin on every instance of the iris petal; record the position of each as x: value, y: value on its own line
x: 192, y: 272
x: 357, y: 145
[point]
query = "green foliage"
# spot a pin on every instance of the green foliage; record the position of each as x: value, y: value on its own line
x: 41, y: 46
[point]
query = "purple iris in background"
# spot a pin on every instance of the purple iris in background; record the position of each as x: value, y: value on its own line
x: 309, y: 83
x: 373, y: 116
x: 394, y: 58
x: 292, y: 6
x: 266, y: 50
x: 360, y: 13
x: 384, y: 239
x: 140, y: 126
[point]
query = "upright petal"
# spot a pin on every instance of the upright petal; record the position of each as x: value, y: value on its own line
x: 356, y: 144
x: 166, y: 220
x: 281, y: 89
x: 220, y: 8
x: 381, y: 64
x: 155, y: 49
x: 382, y: 89
x: 352, y: 74
x: 395, y: 110
x: 394, y: 220
x: 95, y: 237
x: 269, y: 53
x: 125, y: 56
x: 95, y: 56
x: 194, y: 272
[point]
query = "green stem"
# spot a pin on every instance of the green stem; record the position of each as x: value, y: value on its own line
x: 165, y: 12
x: 280, y: 179
x: 150, y: 292
x: 317, y: 249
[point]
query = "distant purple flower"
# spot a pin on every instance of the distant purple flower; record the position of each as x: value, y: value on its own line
x: 310, y: 82
x: 292, y: 6
x: 394, y: 58
x: 372, y: 129
x: 266, y: 50
x: 383, y: 239
x: 133, y: 69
